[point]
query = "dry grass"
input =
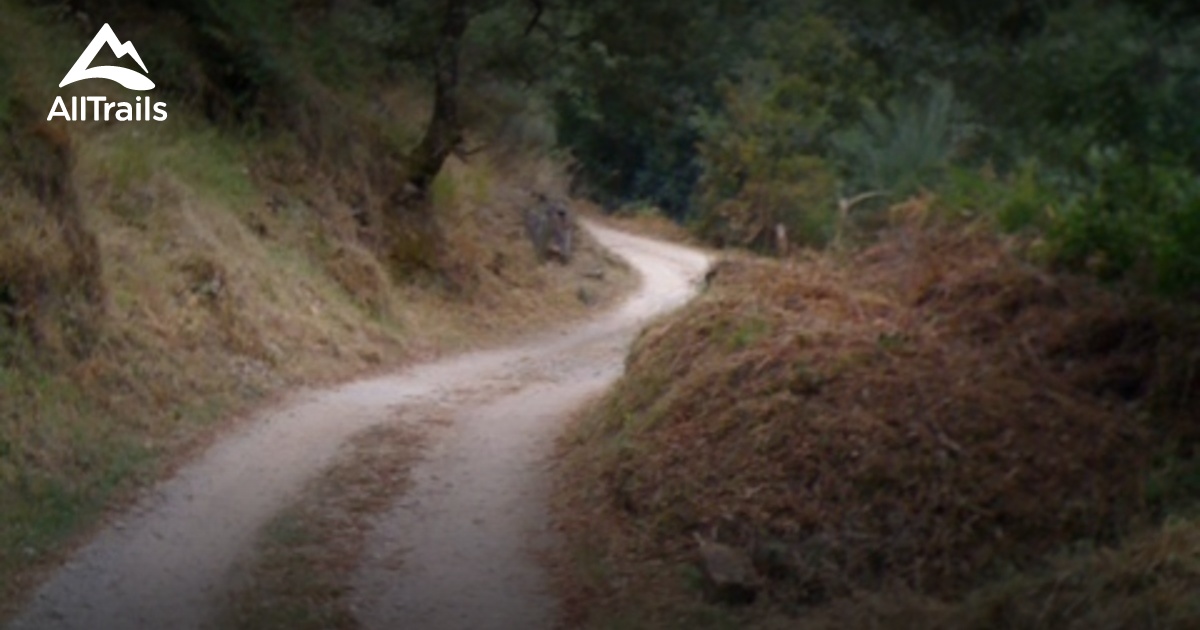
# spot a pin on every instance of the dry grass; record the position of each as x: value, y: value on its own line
x: 308, y: 553
x: 158, y: 279
x: 898, y: 422
x: 223, y: 289
x: 1149, y: 582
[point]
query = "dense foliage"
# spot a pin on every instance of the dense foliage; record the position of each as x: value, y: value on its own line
x: 1075, y: 118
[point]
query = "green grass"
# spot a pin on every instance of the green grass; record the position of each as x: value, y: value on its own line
x: 747, y: 332
x: 49, y: 419
x: 214, y: 162
x: 203, y: 159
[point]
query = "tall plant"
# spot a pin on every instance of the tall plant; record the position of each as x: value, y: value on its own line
x: 903, y: 146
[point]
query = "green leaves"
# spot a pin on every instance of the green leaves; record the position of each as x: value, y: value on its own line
x: 1134, y: 220
x: 903, y: 147
x: 763, y: 149
x: 637, y: 73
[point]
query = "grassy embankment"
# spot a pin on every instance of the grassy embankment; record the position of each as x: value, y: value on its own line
x: 157, y: 279
x: 931, y: 433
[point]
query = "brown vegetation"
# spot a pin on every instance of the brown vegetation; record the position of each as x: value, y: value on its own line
x: 925, y: 417
x: 307, y: 555
x: 50, y: 277
x: 155, y: 279
x: 218, y: 294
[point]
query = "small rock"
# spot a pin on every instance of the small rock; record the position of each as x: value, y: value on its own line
x: 585, y: 296
x: 729, y: 574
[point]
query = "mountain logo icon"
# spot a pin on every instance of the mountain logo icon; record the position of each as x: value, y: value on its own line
x: 131, y: 79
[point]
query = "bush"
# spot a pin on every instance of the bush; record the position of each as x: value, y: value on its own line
x: 1125, y: 221
x: 761, y: 151
x: 1134, y: 220
x: 797, y: 194
x: 1018, y: 202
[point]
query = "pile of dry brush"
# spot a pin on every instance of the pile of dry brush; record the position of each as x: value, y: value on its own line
x: 926, y: 416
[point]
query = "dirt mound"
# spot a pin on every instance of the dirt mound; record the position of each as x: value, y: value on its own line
x: 929, y: 415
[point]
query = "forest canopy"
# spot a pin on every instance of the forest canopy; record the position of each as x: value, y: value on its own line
x: 1077, y: 119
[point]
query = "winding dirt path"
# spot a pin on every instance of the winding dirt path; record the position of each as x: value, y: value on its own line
x: 457, y: 551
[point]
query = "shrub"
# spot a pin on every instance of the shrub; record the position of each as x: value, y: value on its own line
x: 1133, y: 220
x: 761, y: 152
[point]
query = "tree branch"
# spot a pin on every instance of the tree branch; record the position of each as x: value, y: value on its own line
x: 534, y: 22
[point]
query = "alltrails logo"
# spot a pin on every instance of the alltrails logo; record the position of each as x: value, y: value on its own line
x: 101, y: 108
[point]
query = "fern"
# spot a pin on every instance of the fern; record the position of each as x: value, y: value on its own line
x: 903, y: 147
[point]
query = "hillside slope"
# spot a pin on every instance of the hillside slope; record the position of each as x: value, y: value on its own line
x: 156, y: 278
x: 887, y: 440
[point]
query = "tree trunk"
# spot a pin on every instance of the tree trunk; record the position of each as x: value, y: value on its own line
x: 444, y: 132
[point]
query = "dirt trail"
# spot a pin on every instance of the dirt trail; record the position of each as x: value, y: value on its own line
x: 454, y: 552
